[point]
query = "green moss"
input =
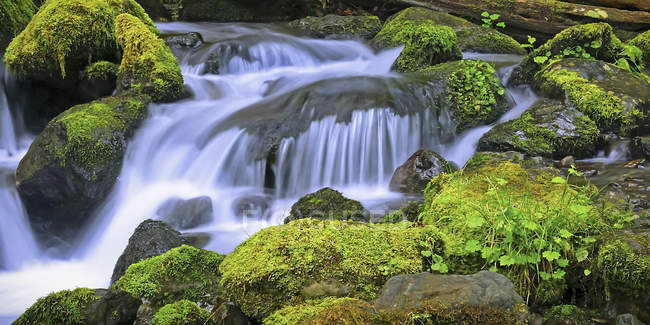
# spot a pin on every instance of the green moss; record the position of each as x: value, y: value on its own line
x: 182, y: 312
x: 14, y: 16
x: 181, y: 273
x: 475, y: 93
x: 148, y: 65
x: 481, y: 159
x: 567, y: 314
x: 284, y: 265
x: 503, y: 218
x: 431, y: 311
x: 603, y: 107
x: 409, y: 212
x: 642, y: 41
x: 102, y: 70
x: 330, y: 310
x: 326, y: 204
x: 65, y: 35
x: 63, y: 307
x: 572, y: 37
x: 623, y: 270
x: 425, y: 43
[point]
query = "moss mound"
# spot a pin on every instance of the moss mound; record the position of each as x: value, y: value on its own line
x: 501, y: 217
x: 65, y: 35
x: 14, y: 16
x: 63, y: 307
x: 181, y: 273
x: 182, y: 312
x: 327, y: 204
x: 425, y: 43
x: 471, y: 37
x: 625, y: 271
x: 102, y: 70
x: 148, y: 65
x: 608, y: 48
x: 567, y: 314
x: 286, y: 265
x: 642, y: 41
x: 475, y: 94
x: 330, y: 310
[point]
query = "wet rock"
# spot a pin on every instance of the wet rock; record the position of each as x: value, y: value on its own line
x: 150, y: 238
x: 190, y: 40
x: 186, y: 214
x: 640, y: 147
x: 339, y: 27
x: 212, y: 63
x: 616, y: 99
x: 547, y: 129
x: 414, y: 175
x: 327, y: 204
x: 97, y: 80
x: 229, y: 314
x: 628, y: 319
x: 567, y: 161
x: 144, y: 315
x: 113, y: 308
x: 253, y: 206
x: 197, y: 239
x: 483, y: 292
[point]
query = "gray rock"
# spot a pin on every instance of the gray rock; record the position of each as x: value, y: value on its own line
x: 414, y: 175
x: 640, y: 147
x: 190, y: 40
x: 144, y: 315
x: 567, y: 161
x: 628, y: 319
x: 229, y: 314
x: 186, y: 214
x: 485, y: 290
x: 150, y: 238
x: 112, y: 308
x: 339, y: 27
x: 330, y: 287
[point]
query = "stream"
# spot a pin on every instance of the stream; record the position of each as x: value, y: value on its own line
x: 211, y: 145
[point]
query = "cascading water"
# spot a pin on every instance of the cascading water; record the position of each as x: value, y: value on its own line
x: 276, y: 124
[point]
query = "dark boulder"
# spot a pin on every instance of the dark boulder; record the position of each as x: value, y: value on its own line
x: 641, y: 147
x: 229, y: 314
x: 414, y: 175
x: 186, y: 214
x: 190, y: 40
x: 113, y: 307
x: 339, y: 27
x: 547, y: 129
x: 327, y: 204
x: 150, y: 238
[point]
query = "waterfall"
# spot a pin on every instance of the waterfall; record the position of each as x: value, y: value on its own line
x: 286, y: 116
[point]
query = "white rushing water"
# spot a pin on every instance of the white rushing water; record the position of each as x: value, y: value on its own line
x: 202, y: 146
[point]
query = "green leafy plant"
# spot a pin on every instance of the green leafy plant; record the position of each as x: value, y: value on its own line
x: 630, y: 58
x: 569, y: 52
x: 490, y: 20
x: 530, y: 46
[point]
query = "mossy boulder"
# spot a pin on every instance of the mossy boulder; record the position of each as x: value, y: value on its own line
x: 82, y: 148
x: 425, y: 43
x: 98, y: 80
x: 308, y: 259
x: 473, y: 92
x: 148, y: 65
x: 330, y: 310
x: 547, y: 129
x: 616, y: 99
x: 640, y: 147
x: 567, y: 314
x: 642, y: 41
x: 14, y: 16
x: 182, y: 312
x: 607, y: 48
x: 65, y: 35
x: 82, y: 306
x: 339, y: 27
x: 503, y: 217
x: 327, y: 204
x: 414, y: 175
x: 183, y: 272
x: 471, y: 37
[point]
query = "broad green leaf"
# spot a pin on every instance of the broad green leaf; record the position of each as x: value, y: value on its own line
x: 582, y: 255
x: 501, y: 24
x: 544, y: 275
x: 562, y: 262
x: 551, y: 255
x: 475, y: 221
x: 506, y: 260
x: 565, y: 233
x: 473, y: 246
x: 559, y: 274
x: 426, y: 253
x: 586, y: 272
x: 558, y: 180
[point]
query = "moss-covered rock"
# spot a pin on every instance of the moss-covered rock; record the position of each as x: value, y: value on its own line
x: 616, y: 99
x: 425, y: 43
x: 83, y: 148
x: 98, y: 80
x: 532, y: 164
x: 329, y: 204
x: 330, y: 310
x: 526, y: 226
x: 474, y: 93
x: 65, y: 35
x: 63, y: 307
x: 182, y: 312
x: 471, y: 37
x: 148, y: 65
x: 547, y: 129
x: 339, y: 27
x: 307, y: 259
x: 567, y: 314
x: 14, y: 16
x: 414, y: 175
x: 608, y: 47
x: 183, y: 272
x: 642, y: 41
